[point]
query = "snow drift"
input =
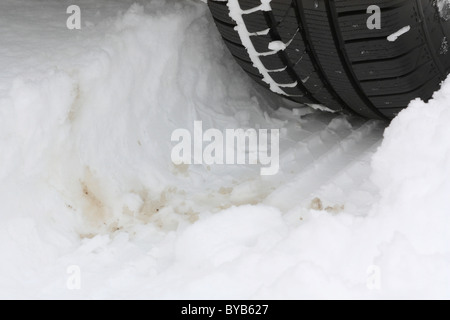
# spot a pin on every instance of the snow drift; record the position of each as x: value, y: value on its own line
x: 86, y: 178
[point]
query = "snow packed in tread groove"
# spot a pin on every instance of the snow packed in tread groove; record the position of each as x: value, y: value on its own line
x: 86, y: 178
x: 444, y: 8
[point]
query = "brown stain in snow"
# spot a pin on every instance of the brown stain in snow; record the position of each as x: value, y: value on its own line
x: 93, y: 208
x: 317, y: 204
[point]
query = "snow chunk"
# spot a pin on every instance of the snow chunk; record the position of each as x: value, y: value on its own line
x: 277, y: 46
x: 444, y: 9
x: 444, y: 46
x: 393, y: 37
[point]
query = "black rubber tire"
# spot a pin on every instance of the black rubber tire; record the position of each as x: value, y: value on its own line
x: 333, y: 59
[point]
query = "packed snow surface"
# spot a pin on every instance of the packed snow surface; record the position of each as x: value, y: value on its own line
x: 91, y: 205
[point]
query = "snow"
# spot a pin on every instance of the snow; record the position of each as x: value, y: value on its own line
x: 444, y: 46
x: 88, y: 190
x: 444, y: 9
x: 277, y: 46
x: 393, y: 37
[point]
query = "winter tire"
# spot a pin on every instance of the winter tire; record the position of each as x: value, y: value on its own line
x: 324, y: 51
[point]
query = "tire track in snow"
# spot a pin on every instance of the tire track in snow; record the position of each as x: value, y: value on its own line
x: 316, y: 152
x: 352, y: 185
x: 335, y: 152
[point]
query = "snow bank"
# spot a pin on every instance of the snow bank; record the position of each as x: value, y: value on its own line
x: 85, y: 130
x: 412, y: 170
x: 97, y: 129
